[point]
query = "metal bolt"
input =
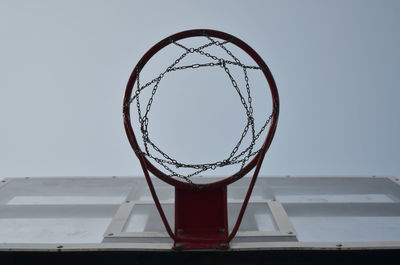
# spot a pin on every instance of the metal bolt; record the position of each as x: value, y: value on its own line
x: 110, y: 234
x: 127, y: 201
x: 60, y: 246
x: 178, y: 245
x: 180, y: 231
x: 223, y: 245
x: 221, y: 230
x: 339, y: 245
x: 290, y: 233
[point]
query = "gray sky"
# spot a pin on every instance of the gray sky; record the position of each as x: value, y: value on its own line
x: 64, y: 66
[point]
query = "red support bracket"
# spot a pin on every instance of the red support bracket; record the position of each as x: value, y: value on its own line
x: 201, y: 219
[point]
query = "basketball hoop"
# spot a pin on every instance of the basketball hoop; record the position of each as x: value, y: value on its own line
x: 201, y: 209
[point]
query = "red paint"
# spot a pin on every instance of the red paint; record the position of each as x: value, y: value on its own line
x: 201, y: 217
x: 187, y: 195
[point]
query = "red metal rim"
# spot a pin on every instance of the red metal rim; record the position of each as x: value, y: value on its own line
x: 195, y: 33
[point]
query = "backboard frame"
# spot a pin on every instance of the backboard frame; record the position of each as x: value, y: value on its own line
x: 235, y: 246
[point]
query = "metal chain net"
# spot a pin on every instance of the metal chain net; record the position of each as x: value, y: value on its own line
x: 166, y: 161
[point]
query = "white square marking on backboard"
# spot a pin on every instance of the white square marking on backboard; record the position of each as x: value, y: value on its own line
x: 264, y: 222
x: 136, y: 223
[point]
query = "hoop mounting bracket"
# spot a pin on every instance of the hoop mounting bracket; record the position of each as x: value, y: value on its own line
x: 201, y: 219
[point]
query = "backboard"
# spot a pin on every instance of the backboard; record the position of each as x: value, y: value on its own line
x: 118, y: 214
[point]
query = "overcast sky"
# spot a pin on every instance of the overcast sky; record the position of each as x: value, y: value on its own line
x: 64, y: 66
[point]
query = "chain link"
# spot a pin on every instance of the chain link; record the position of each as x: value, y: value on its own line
x: 167, y: 161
